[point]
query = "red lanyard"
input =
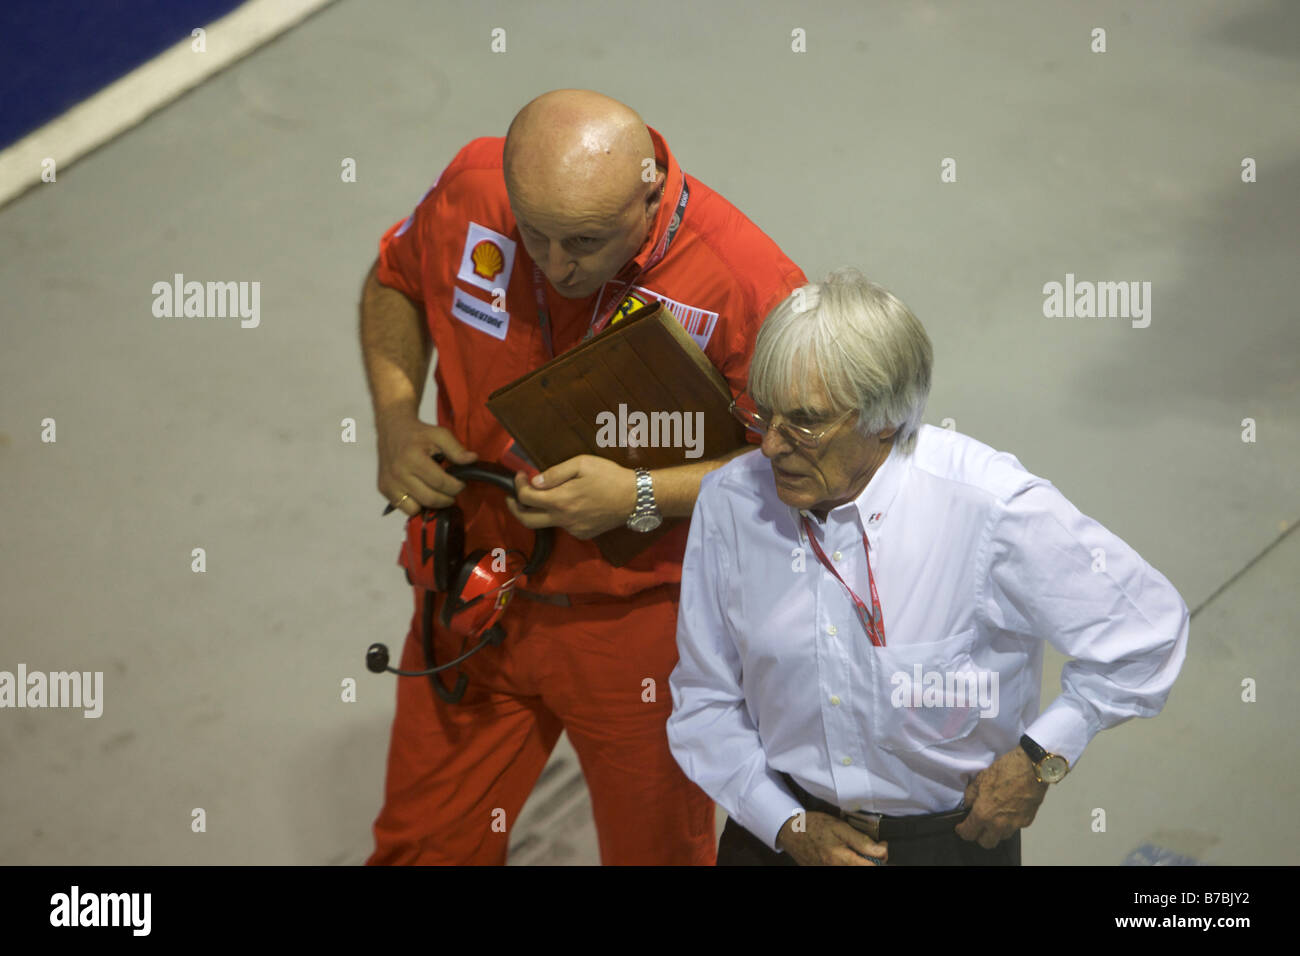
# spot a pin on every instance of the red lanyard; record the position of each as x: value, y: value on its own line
x: 873, y: 621
x: 600, y: 317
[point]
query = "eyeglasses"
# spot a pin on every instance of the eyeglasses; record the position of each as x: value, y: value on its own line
x: 797, y: 434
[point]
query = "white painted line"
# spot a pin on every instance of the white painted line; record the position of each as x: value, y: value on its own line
x: 146, y: 89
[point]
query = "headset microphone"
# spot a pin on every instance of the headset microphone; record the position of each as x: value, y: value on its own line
x: 377, y: 656
x: 475, y: 588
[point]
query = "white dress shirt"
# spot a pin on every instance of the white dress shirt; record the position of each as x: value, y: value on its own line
x: 976, y: 563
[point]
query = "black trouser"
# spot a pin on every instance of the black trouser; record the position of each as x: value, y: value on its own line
x: 739, y: 847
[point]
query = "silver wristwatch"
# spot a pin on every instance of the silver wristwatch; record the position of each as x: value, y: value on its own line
x: 646, y: 517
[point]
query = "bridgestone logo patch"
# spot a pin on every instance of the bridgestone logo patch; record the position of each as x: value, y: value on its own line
x: 479, y: 314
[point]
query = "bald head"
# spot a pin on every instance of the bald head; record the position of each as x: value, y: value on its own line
x: 577, y: 143
x: 583, y: 184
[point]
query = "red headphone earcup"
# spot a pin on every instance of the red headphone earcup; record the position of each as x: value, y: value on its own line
x: 451, y: 604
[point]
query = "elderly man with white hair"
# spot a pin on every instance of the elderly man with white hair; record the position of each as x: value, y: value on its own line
x: 864, y: 608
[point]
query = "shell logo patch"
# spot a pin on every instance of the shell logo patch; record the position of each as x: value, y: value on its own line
x: 487, y: 259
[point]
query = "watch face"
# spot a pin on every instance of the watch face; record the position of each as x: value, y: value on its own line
x: 1054, y: 769
x: 644, y: 522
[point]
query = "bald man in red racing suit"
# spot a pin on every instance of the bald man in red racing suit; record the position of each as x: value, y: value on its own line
x: 580, y: 207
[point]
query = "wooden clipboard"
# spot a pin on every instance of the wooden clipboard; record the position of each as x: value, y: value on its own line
x: 587, y: 401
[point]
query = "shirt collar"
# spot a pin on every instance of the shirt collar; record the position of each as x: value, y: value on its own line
x: 673, y: 183
x: 874, y: 501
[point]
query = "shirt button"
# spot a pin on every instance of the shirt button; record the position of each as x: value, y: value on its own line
x: 832, y: 631
x: 835, y: 701
x: 846, y: 761
x: 837, y: 556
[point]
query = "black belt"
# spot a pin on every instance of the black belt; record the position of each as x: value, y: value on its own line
x: 877, y: 825
x: 559, y: 600
x: 576, y: 600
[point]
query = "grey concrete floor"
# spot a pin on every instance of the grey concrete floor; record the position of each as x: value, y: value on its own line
x: 222, y: 689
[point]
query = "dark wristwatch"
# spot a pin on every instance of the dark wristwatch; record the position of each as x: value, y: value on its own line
x: 1048, y: 767
x: 646, y: 517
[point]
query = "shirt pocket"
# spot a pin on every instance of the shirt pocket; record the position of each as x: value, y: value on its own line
x: 925, y: 694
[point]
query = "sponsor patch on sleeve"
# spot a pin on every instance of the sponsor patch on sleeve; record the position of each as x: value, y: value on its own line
x: 479, y: 314
x: 487, y: 259
x: 406, y: 223
x: 698, y: 323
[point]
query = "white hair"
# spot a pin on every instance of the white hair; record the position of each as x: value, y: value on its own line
x: 857, y: 341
